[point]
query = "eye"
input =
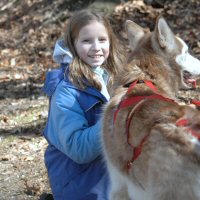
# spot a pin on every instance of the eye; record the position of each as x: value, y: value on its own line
x: 86, y: 40
x: 103, y: 39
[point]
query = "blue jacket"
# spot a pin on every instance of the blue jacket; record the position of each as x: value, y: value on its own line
x: 73, y: 158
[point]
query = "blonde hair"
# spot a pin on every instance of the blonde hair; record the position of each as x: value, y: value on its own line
x: 81, y: 74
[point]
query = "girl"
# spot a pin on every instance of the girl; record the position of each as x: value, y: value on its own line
x: 77, y: 90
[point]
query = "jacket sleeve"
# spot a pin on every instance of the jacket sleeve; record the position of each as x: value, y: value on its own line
x: 68, y: 128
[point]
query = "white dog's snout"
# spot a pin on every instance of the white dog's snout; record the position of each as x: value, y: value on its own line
x: 192, y: 65
x: 186, y: 61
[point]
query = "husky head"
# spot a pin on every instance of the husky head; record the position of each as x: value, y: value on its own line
x: 163, y: 43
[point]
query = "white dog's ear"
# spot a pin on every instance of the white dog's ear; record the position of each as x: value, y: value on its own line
x: 135, y: 33
x: 165, y: 36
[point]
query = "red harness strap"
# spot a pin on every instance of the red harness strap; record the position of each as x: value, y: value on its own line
x: 147, y: 82
x: 136, y: 150
x: 137, y: 101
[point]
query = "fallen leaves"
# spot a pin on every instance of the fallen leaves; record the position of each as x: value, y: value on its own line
x: 28, y: 31
x: 22, y: 166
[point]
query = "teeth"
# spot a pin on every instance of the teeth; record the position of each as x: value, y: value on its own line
x: 98, y: 56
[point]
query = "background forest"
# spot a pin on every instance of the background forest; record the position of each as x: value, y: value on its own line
x: 28, y: 31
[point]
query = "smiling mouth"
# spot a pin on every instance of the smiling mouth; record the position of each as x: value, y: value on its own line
x: 97, y: 56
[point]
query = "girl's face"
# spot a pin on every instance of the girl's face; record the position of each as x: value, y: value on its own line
x: 92, y: 44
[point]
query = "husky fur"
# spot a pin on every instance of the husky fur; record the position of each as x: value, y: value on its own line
x: 168, y: 167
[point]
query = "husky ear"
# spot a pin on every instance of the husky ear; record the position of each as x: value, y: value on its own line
x: 165, y: 36
x: 135, y: 33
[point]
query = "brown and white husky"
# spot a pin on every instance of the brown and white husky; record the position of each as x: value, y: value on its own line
x: 150, y: 142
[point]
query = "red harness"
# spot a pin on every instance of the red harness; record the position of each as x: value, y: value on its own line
x: 137, y: 101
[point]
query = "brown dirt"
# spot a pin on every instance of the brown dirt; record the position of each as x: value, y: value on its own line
x: 28, y: 31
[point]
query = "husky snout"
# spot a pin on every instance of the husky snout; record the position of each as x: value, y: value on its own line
x: 187, y: 61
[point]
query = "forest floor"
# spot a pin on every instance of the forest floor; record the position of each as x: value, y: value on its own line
x: 28, y: 31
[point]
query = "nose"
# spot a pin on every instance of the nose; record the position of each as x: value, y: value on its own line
x: 96, y: 45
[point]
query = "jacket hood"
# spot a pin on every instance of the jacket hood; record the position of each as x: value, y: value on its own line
x: 61, y: 53
x: 62, y: 56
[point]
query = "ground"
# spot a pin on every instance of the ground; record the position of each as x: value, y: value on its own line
x: 28, y: 31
